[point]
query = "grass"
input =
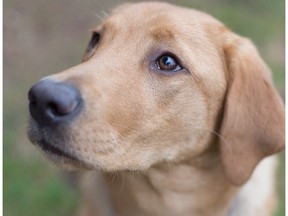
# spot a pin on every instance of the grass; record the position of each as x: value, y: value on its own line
x: 31, y: 187
x: 280, y: 211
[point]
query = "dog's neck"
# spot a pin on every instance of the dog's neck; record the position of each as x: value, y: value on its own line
x: 187, y: 188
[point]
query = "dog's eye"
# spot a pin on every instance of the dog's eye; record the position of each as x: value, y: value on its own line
x: 168, y: 63
x: 94, y: 41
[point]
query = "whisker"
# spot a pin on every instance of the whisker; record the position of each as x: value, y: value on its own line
x: 95, y: 14
x: 122, y: 183
x: 105, y: 14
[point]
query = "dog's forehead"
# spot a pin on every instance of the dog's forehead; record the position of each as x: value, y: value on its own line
x: 151, y: 15
x: 148, y: 9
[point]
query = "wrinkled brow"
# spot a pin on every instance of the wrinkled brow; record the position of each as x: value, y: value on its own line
x: 162, y: 34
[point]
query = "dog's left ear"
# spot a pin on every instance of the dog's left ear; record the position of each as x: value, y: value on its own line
x: 253, y: 122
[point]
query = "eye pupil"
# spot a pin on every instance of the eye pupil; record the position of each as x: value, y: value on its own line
x: 168, y: 63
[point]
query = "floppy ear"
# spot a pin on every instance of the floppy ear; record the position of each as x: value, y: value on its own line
x: 253, y: 122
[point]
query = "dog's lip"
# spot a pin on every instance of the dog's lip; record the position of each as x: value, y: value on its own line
x: 47, y: 147
x: 50, y: 149
x: 63, y: 157
x: 54, y: 153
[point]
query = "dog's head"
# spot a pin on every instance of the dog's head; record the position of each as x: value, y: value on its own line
x: 159, y: 83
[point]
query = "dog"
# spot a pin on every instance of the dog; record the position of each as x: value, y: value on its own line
x: 179, y: 106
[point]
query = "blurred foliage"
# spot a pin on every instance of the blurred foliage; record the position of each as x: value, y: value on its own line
x: 42, y: 37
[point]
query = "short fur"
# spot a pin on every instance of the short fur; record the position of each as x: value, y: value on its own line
x: 183, y: 143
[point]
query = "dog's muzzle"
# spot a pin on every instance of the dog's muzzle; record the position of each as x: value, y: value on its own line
x: 53, y: 105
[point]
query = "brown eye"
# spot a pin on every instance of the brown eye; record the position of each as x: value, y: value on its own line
x: 94, y: 41
x: 167, y: 63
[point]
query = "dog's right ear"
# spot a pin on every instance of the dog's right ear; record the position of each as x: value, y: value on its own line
x: 253, y: 123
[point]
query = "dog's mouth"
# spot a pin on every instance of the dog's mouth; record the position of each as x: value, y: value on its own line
x: 50, y: 149
x: 50, y: 142
x: 61, y: 157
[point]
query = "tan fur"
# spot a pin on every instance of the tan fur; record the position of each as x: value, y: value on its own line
x: 177, y: 144
x: 250, y: 98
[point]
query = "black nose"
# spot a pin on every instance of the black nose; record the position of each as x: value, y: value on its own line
x: 52, y: 102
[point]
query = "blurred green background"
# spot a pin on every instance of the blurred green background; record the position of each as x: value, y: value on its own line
x: 44, y: 37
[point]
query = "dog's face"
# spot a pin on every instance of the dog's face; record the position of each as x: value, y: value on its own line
x: 151, y: 88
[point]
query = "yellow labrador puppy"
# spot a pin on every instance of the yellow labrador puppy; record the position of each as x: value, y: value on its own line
x: 174, y: 109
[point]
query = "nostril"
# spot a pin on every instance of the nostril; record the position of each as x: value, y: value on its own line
x: 32, y: 98
x: 53, y: 109
x: 63, y: 108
